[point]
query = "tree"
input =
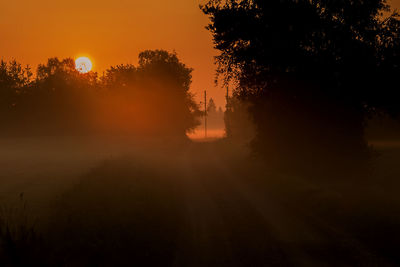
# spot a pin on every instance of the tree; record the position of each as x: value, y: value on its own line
x: 170, y: 80
x: 238, y: 123
x: 154, y: 96
x: 59, y: 99
x: 215, y: 118
x: 14, y: 80
x: 313, y: 70
x: 211, y: 107
x: 55, y: 102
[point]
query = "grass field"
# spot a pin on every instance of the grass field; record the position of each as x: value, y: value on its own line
x: 81, y: 203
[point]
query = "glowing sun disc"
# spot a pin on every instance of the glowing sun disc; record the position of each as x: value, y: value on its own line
x: 83, y: 64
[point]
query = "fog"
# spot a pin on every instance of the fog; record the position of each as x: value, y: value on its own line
x: 126, y: 168
x: 76, y: 201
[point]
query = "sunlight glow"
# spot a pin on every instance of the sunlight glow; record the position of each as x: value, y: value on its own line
x: 83, y: 64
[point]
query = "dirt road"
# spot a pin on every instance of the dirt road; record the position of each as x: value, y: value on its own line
x: 231, y: 222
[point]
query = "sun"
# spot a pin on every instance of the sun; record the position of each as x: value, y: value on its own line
x: 83, y: 64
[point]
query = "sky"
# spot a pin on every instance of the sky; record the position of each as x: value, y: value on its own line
x: 111, y: 33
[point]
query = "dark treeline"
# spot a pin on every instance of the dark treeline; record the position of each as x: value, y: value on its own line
x: 238, y: 124
x: 215, y: 117
x: 152, y: 98
x: 309, y: 75
x: 313, y: 72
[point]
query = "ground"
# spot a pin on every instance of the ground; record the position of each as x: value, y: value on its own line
x: 193, y: 204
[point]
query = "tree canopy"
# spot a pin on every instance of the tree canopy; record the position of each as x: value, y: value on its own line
x: 344, y: 47
x: 312, y: 67
x: 155, y: 94
x: 152, y: 98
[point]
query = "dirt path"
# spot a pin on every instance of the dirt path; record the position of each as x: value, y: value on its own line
x: 234, y: 212
x: 228, y: 222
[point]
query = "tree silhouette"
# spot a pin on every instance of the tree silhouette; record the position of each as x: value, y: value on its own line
x: 238, y: 123
x: 14, y: 80
x: 154, y: 96
x: 215, y: 118
x: 55, y: 102
x: 170, y: 80
x: 211, y: 107
x: 58, y: 99
x: 313, y: 70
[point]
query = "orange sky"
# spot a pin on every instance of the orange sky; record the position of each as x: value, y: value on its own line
x: 110, y: 33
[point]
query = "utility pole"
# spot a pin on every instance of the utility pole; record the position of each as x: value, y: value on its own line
x: 205, y: 113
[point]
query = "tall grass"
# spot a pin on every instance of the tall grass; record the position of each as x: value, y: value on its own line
x: 18, y: 236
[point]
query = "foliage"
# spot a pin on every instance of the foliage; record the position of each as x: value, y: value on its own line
x: 19, y: 240
x: 13, y: 80
x: 313, y: 70
x: 238, y: 123
x: 211, y: 107
x: 152, y: 98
